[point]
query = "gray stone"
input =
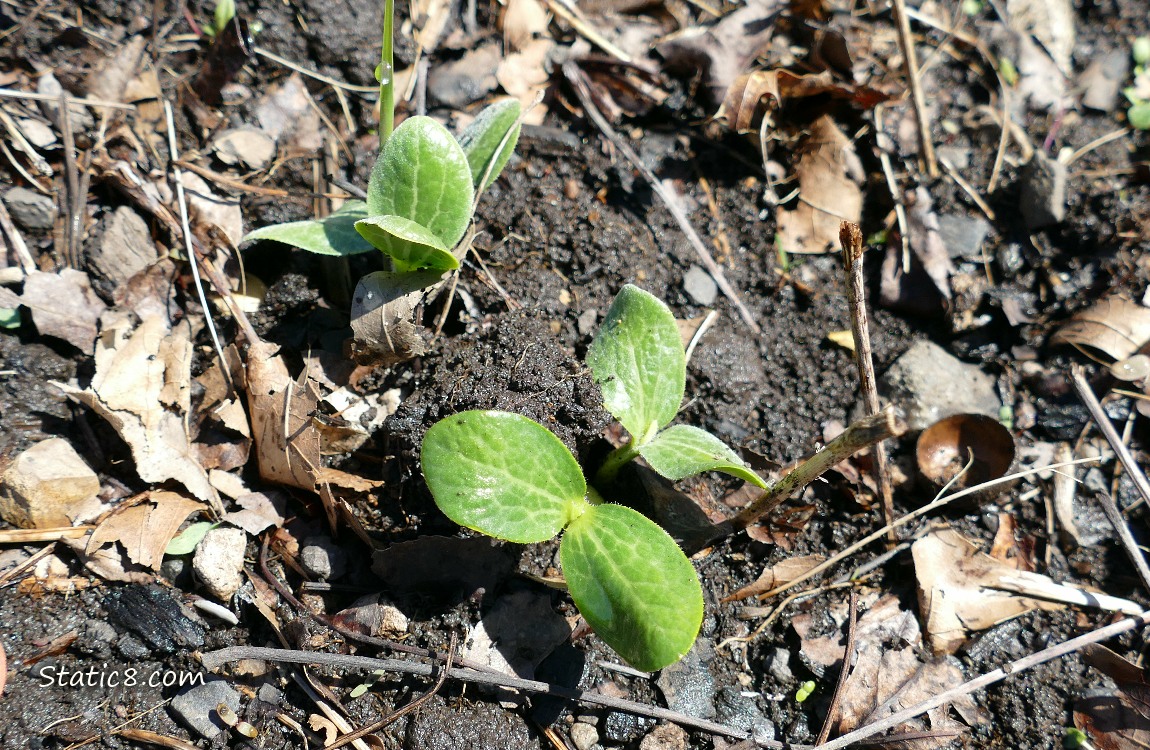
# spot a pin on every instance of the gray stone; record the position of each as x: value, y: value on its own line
x: 465, y: 81
x: 38, y: 133
x: 132, y: 648
x: 700, y: 287
x: 1043, y: 197
x: 97, y: 638
x: 688, y: 685
x: 958, y: 157
x: 1103, y: 78
x: 79, y: 115
x: 323, y: 558
x: 927, y: 383
x: 963, y: 235
x: 31, y: 210
x: 125, y: 247
x: 196, y: 707
x: 251, y: 147
x: 623, y: 727
x: 478, y: 725
x: 584, y: 736
x: 738, y: 710
x: 269, y: 693
x: 778, y: 665
x: 665, y: 737
x: 219, y: 561
x: 586, y: 322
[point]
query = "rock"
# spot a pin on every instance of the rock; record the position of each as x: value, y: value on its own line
x: 665, y: 737
x: 156, y: 616
x: 927, y: 383
x: 1043, y: 198
x: 48, y: 485
x: 467, y: 80
x: 738, y: 710
x: 700, y: 287
x: 583, y: 736
x: 196, y: 706
x: 963, y: 235
x: 251, y: 147
x: 1103, y: 79
x: 132, y: 648
x: 623, y: 727
x: 688, y: 685
x: 219, y: 561
x: 82, y: 119
x: 97, y: 638
x: 958, y: 157
x: 476, y: 726
x: 586, y: 321
x: 31, y: 210
x: 323, y: 558
x: 125, y: 247
x: 778, y: 665
x: 36, y: 132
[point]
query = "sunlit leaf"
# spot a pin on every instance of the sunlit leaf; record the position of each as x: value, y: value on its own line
x: 482, y: 138
x: 334, y: 235
x: 502, y: 474
x: 185, y: 542
x: 638, y: 361
x: 409, y: 245
x: 633, y: 585
x: 423, y: 176
x: 683, y: 451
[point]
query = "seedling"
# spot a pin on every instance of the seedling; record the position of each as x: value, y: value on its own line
x: 1139, y: 94
x: 509, y: 477
x: 806, y: 690
x: 422, y: 191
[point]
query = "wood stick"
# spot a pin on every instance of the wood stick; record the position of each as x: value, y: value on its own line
x: 844, y: 673
x: 851, y: 239
x: 910, y: 57
x: 27, y: 536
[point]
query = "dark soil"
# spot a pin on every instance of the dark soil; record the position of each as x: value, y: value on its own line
x: 568, y: 225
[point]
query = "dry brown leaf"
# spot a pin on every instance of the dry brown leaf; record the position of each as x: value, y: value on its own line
x: 828, y: 191
x: 779, y: 574
x: 524, y: 74
x: 63, y: 305
x: 142, y: 387
x: 144, y: 528
x: 954, y: 593
x: 281, y: 409
x: 1115, y: 326
x: 1120, y: 721
x: 261, y: 510
x: 744, y: 99
x: 888, y: 675
x: 927, y: 243
x: 522, y: 21
x: 383, y: 315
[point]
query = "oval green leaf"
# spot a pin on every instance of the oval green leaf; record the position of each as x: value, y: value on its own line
x: 423, y: 176
x: 683, y: 451
x: 409, y: 245
x: 638, y: 361
x: 502, y: 474
x: 633, y: 585
x: 481, y: 140
x: 185, y: 542
x: 333, y: 235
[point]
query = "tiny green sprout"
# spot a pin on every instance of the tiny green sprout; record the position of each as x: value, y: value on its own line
x: 805, y: 691
x: 1076, y: 739
x: 1007, y: 70
x: 972, y: 7
x: 1006, y: 416
x: 1140, y: 50
x: 637, y: 358
x: 9, y: 317
x: 223, y: 15
x: 362, y: 688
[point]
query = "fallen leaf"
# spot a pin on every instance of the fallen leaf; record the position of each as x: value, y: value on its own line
x: 1121, y: 720
x: 828, y: 191
x: 144, y: 527
x: 286, y: 444
x: 63, y: 306
x: 382, y: 315
x: 1114, y: 326
x: 926, y: 242
x: 288, y: 113
x: 744, y: 99
x: 522, y: 21
x: 779, y: 574
x: 142, y: 387
x: 523, y: 75
x: 260, y: 510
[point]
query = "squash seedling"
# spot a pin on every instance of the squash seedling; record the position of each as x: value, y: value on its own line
x: 423, y: 188
x: 509, y: 477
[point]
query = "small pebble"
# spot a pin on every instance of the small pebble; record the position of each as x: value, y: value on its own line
x: 196, y: 707
x: 219, y: 561
x: 584, y: 736
x: 31, y: 210
x: 323, y: 558
x: 700, y: 287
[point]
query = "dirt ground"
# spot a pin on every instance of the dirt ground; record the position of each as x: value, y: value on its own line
x: 567, y: 225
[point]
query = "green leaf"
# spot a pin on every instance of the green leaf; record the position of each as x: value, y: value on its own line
x: 1139, y: 116
x: 683, y: 451
x: 334, y: 235
x: 633, y: 585
x: 185, y: 542
x: 480, y: 140
x: 9, y: 317
x: 422, y: 175
x: 503, y: 474
x: 637, y: 360
x: 408, y: 244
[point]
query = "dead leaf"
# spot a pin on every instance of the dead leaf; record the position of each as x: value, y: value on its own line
x: 261, y: 510
x: 110, y: 80
x: 142, y: 387
x: 281, y: 409
x: 1114, y: 326
x: 382, y: 315
x: 828, y: 191
x: 288, y: 113
x: 955, y: 591
x: 744, y: 99
x: 144, y: 527
x: 779, y: 574
x: 63, y: 306
x: 1120, y: 721
x: 521, y: 22
x: 926, y: 242
x: 524, y: 75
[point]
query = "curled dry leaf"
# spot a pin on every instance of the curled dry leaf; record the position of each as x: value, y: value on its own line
x: 383, y: 315
x: 829, y: 174
x: 142, y: 387
x: 745, y: 97
x: 63, y: 306
x: 144, y: 527
x: 522, y: 21
x: 1114, y: 326
x: 523, y: 75
x: 779, y: 574
x: 1121, y: 719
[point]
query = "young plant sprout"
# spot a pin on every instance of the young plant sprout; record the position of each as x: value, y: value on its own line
x: 422, y: 191
x: 509, y: 477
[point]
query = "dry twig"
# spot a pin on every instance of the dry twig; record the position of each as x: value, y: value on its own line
x: 844, y: 672
x: 910, y: 58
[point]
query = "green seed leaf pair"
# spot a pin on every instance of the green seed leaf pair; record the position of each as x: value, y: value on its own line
x: 420, y: 197
x: 509, y: 477
x: 638, y: 361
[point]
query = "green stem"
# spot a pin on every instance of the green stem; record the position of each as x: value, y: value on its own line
x: 615, y: 461
x: 387, y: 76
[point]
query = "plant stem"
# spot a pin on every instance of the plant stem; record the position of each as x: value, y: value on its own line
x: 387, y: 76
x: 615, y: 461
